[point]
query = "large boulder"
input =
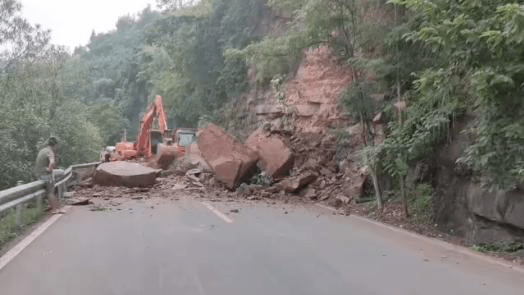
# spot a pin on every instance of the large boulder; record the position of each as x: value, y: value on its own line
x: 276, y: 158
x: 165, y: 156
x: 121, y: 173
x: 506, y: 207
x: 231, y: 161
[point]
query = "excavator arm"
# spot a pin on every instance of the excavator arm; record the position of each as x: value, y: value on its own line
x: 154, y: 111
x: 155, y: 117
x: 161, y: 113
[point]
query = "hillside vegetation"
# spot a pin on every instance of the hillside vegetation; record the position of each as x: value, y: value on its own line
x: 432, y: 61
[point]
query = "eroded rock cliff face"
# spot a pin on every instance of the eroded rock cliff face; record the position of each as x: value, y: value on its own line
x: 463, y: 206
x: 311, y: 96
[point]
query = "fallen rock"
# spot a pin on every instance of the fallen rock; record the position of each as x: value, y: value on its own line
x: 323, y: 197
x: 198, y: 162
x: 326, y: 172
x: 128, y: 174
x: 194, y: 172
x: 165, y: 156
x: 227, y: 171
x: 231, y: 161
x: 275, y: 155
x: 310, y: 194
x: 179, y: 186
x: 193, y: 149
x: 335, y: 203
x: 86, y: 183
x: 293, y: 184
x: 69, y: 194
x: 78, y: 201
x: 343, y: 199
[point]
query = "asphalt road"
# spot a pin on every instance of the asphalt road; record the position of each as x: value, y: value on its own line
x: 182, y: 247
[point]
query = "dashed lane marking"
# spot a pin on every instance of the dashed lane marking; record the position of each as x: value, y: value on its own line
x: 217, y: 212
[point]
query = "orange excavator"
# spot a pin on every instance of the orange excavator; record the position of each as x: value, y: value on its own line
x: 153, y: 136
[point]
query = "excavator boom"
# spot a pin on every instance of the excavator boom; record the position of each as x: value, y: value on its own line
x: 143, y: 146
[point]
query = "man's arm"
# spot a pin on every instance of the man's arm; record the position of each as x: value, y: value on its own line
x: 52, y: 162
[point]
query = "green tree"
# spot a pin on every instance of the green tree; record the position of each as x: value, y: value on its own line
x: 481, y: 42
x: 19, y: 40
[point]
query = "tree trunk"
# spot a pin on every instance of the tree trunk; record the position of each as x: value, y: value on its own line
x: 378, y: 195
x: 403, y: 196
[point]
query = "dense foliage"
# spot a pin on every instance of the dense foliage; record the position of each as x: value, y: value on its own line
x: 478, y: 66
x: 442, y: 58
x: 90, y: 97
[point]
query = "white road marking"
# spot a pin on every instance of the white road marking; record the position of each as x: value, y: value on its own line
x: 199, y: 285
x: 217, y: 213
x: 433, y: 241
x: 11, y: 254
x: 448, y: 246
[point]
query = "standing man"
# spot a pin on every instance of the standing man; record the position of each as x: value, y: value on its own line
x: 46, y: 161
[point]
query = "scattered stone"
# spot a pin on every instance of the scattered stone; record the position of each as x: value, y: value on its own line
x: 194, y: 172
x: 344, y: 199
x: 293, y: 184
x: 326, y: 172
x: 324, y: 197
x: 69, y: 194
x: 86, y: 183
x: 179, y: 186
x: 335, y: 203
x: 79, y: 201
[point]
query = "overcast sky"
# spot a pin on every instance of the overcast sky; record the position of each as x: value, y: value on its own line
x: 72, y: 21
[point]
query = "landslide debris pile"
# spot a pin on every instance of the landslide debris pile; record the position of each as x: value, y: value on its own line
x: 301, y: 165
x: 273, y: 164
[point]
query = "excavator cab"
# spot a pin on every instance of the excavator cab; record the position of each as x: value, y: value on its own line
x: 156, y: 137
x: 183, y: 138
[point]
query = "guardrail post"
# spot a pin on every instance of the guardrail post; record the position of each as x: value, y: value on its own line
x: 59, y: 188
x: 39, y: 200
x: 19, y: 208
x: 51, y: 198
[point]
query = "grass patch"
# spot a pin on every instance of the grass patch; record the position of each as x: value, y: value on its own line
x: 420, y: 204
x: 499, y: 248
x: 8, y: 228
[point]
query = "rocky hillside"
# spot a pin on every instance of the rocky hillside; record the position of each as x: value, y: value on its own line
x: 310, y: 99
x: 326, y: 142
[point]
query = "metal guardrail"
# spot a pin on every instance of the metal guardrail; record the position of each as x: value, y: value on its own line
x: 18, y: 196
